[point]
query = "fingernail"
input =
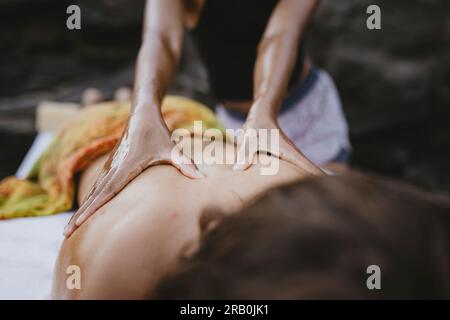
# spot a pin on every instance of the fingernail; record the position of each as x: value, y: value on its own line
x: 79, y: 220
x: 193, y: 172
x: 66, y: 230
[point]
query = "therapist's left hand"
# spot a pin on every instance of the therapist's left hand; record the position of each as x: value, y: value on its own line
x: 282, y: 148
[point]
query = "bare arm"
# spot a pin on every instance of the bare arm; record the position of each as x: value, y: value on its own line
x: 146, y: 139
x: 159, y: 53
x: 277, y: 53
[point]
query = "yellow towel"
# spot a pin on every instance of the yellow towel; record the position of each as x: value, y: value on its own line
x: 49, y: 188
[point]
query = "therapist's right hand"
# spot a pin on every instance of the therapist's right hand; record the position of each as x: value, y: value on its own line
x: 144, y: 143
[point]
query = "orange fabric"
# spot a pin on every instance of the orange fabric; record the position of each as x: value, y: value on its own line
x: 50, y: 189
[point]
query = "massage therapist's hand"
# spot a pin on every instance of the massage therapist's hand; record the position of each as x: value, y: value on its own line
x: 249, y: 144
x: 144, y: 143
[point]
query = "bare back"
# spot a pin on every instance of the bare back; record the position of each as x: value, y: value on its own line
x: 139, y: 237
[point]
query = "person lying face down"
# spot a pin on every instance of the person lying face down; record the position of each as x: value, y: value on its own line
x: 140, y: 236
x: 352, y: 236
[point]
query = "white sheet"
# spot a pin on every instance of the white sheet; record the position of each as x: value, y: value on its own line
x: 29, y: 246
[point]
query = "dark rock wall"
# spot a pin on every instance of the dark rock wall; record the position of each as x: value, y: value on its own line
x: 394, y: 82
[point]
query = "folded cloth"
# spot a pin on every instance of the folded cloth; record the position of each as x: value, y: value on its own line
x: 49, y: 187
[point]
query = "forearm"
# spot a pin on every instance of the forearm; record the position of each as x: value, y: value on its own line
x: 273, y: 68
x: 159, y: 54
x: 277, y: 53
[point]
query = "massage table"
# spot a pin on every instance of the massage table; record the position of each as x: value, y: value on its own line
x: 29, y: 246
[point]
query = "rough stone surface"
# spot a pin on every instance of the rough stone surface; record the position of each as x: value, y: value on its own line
x: 394, y: 84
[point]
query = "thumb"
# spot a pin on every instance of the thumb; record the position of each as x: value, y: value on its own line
x: 186, y: 166
x: 245, y: 155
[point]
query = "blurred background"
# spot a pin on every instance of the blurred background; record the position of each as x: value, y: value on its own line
x: 394, y: 82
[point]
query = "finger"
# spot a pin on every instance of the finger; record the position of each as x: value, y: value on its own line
x: 98, y: 202
x: 238, y: 137
x: 245, y: 154
x: 112, y: 187
x: 101, y: 182
x: 94, y: 189
x: 176, y: 158
x: 71, y: 226
x: 187, y: 167
x: 292, y: 155
x: 90, y: 203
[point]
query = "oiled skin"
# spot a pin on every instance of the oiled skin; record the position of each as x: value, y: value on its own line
x: 146, y: 140
x: 139, y: 236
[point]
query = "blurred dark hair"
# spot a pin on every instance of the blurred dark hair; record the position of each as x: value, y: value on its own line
x: 316, y: 238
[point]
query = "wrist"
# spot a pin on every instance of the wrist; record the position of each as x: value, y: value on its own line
x: 145, y: 115
x: 263, y: 110
x: 148, y: 108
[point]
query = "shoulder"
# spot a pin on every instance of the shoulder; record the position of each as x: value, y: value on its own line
x: 133, y: 241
